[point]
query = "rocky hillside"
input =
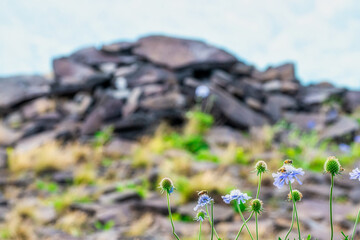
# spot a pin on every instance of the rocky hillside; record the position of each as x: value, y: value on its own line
x: 135, y: 85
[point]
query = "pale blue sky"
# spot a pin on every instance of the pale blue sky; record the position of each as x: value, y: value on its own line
x: 321, y: 36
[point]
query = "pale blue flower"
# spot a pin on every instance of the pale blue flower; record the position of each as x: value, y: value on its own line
x: 236, y: 194
x: 289, y: 175
x: 355, y: 174
x: 344, y: 147
x: 311, y: 124
x: 202, y: 91
x: 357, y: 139
x: 203, y: 201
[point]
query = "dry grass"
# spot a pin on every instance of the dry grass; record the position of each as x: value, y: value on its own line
x: 72, y: 223
x: 51, y: 156
x: 139, y: 227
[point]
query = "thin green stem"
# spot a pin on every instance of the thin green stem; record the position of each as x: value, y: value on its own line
x: 170, y: 216
x: 292, y: 224
x: 257, y: 230
x: 200, y: 231
x: 210, y: 221
x: 356, y: 222
x: 259, y: 184
x: 294, y: 204
x: 243, y: 225
x: 242, y: 217
x: 331, y: 196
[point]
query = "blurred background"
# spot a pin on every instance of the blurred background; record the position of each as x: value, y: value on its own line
x: 320, y: 36
x: 99, y: 100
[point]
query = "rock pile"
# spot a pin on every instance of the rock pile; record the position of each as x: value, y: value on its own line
x: 135, y: 85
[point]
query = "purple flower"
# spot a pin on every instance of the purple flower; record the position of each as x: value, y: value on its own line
x: 202, y: 91
x: 355, y: 174
x: 344, y: 148
x: 203, y: 201
x: 311, y: 124
x: 290, y: 174
x: 357, y: 139
x: 236, y: 194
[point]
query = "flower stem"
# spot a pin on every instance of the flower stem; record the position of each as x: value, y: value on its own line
x: 252, y: 213
x: 200, y: 231
x: 242, y: 217
x: 330, y: 200
x: 257, y: 230
x: 356, y: 222
x: 292, y: 224
x: 212, y: 219
x: 243, y: 225
x: 294, y: 204
x: 211, y: 223
x: 259, y: 184
x: 170, y: 216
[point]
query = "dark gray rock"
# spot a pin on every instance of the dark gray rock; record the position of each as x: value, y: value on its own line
x: 318, y: 94
x: 18, y: 89
x: 72, y: 77
x: 118, y: 197
x: 352, y: 100
x: 221, y: 78
x: 178, y: 53
x: 236, y: 112
x: 118, y: 47
x: 119, y: 147
x: 170, y: 100
x: 340, y: 128
x: 93, y: 57
x: 275, y: 105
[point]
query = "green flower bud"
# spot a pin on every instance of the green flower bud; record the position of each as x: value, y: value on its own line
x: 200, y: 216
x: 166, y: 185
x: 332, y: 166
x: 260, y: 167
x: 256, y: 205
x: 297, y: 195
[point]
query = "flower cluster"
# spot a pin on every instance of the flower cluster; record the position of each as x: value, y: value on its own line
x: 237, y: 195
x: 203, y: 200
x: 287, y: 174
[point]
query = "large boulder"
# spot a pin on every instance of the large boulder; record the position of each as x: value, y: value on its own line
x: 177, y: 53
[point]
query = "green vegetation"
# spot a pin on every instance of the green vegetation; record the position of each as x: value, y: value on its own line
x: 104, y: 226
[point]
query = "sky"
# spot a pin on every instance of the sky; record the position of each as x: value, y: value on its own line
x: 321, y: 36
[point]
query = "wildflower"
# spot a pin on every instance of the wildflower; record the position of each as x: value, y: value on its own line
x: 355, y: 174
x: 203, y: 200
x: 166, y: 185
x: 236, y: 194
x: 297, y: 195
x: 202, y: 91
x: 288, y: 174
x: 200, y: 216
x: 344, y: 148
x: 256, y: 205
x: 332, y: 166
x: 260, y: 167
x: 357, y: 139
x: 311, y: 124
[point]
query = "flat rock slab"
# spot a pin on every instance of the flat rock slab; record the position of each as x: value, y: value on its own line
x: 18, y: 89
x: 176, y: 53
x: 236, y: 112
x: 340, y: 128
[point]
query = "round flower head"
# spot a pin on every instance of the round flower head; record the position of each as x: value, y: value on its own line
x: 256, y: 206
x: 287, y: 174
x: 297, y: 195
x: 355, y: 174
x: 166, y: 185
x: 332, y: 166
x: 202, y: 91
x: 235, y: 194
x: 200, y: 216
x: 260, y: 167
x: 203, y: 200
